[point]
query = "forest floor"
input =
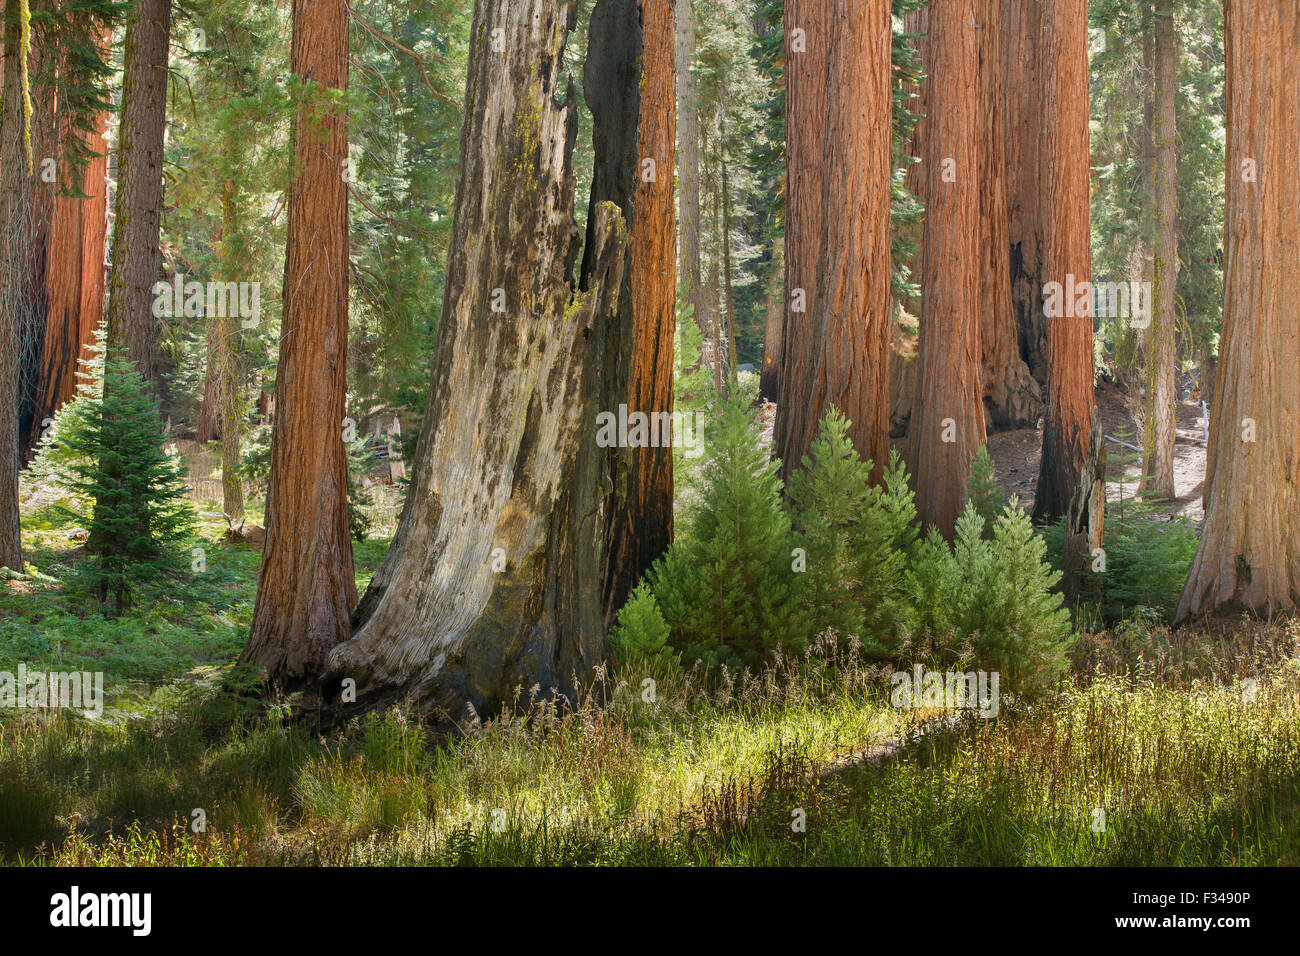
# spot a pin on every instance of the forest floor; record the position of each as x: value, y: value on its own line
x: 1016, y: 452
x: 1160, y: 747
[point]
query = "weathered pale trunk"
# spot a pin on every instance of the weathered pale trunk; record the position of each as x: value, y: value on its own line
x: 1249, y: 554
x: 1162, y: 355
x: 136, y: 259
x: 1012, y: 398
x: 491, y: 588
x: 947, y: 424
x: 836, y: 353
x: 306, y: 588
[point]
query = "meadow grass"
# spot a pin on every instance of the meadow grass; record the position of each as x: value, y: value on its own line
x: 1160, y: 748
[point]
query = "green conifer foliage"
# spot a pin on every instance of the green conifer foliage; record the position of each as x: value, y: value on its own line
x: 726, y: 587
x: 856, y: 537
x: 139, y: 517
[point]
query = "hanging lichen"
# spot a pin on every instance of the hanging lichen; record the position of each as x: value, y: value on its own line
x: 24, y: 48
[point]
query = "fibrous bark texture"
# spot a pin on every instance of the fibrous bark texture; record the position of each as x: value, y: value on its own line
x: 306, y: 589
x: 1012, y: 398
x: 492, y: 585
x: 1249, y: 554
x: 1067, y: 259
x: 1023, y: 66
x: 641, y: 510
x: 136, y: 258
x: 839, y: 314
x: 947, y: 424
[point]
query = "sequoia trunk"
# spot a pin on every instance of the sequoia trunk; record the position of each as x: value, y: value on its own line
x: 306, y: 589
x: 1249, y: 554
x: 491, y: 589
x: 947, y: 424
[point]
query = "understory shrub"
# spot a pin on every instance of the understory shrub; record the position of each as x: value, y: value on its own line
x: 640, y: 635
x: 114, y: 460
x: 1148, y: 553
x: 725, y: 587
x: 856, y: 538
x: 992, y: 599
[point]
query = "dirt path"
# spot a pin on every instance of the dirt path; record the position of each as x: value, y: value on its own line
x: 1016, y: 453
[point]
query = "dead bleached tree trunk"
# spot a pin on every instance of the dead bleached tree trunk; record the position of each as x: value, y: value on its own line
x: 491, y: 586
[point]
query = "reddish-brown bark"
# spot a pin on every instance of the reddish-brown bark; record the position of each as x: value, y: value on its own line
x: 836, y: 353
x: 641, y: 514
x: 1249, y: 553
x: 947, y: 425
x: 306, y: 589
x: 1067, y: 259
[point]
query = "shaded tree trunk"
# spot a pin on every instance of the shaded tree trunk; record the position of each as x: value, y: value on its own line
x: 691, y: 270
x: 210, y: 411
x: 1071, y: 471
x: 15, y: 200
x: 807, y: 60
x: 641, y: 507
x: 1024, y: 65
x: 770, y: 377
x: 136, y: 259
x: 1012, y: 398
x: 948, y: 420
x: 491, y: 587
x: 1249, y: 553
x: 44, y: 65
x: 232, y: 486
x: 728, y: 278
x: 306, y: 589
x: 1162, y: 355
x: 836, y: 353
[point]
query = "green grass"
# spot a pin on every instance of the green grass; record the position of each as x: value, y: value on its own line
x: 1156, y: 729
x: 175, y: 628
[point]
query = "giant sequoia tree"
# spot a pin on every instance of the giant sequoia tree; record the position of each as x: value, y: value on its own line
x: 1011, y: 395
x: 641, y: 510
x: 491, y: 586
x: 1249, y: 554
x: 137, y: 208
x: 306, y: 589
x: 835, y: 340
x: 1069, y: 480
x: 948, y: 420
x: 1023, y: 70
x: 78, y: 227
